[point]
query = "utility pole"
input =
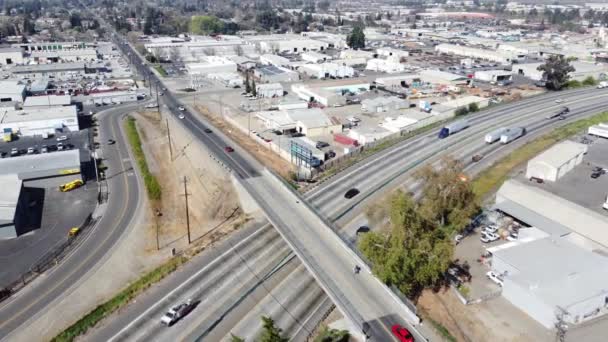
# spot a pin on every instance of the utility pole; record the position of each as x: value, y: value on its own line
x: 169, y: 137
x: 187, y: 213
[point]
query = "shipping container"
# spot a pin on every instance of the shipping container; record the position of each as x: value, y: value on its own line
x: 7, y: 135
x: 599, y: 131
x: 512, y: 134
x: 343, y: 139
x: 453, y: 128
x: 495, y: 135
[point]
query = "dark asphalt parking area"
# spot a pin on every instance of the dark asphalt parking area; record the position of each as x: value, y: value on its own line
x: 50, y: 215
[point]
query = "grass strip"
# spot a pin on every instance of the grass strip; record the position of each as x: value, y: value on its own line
x: 160, y: 70
x: 121, y: 299
x: 493, y: 177
x: 443, y: 331
x: 150, y: 181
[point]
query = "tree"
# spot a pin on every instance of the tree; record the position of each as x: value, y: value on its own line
x: 448, y: 200
x: 323, y: 5
x: 332, y: 335
x: 254, y: 90
x: 414, y: 254
x: 356, y: 39
x: 247, y: 84
x: 75, y: 20
x: 460, y: 111
x: 473, y: 107
x: 205, y: 24
x: 556, y: 71
x: 270, y: 332
x: 589, y: 81
x: 234, y: 338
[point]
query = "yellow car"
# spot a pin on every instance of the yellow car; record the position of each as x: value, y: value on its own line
x: 73, y: 231
x: 71, y: 185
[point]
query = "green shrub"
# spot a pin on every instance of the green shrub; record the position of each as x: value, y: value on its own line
x: 152, y: 186
x: 473, y: 107
x: 461, y: 111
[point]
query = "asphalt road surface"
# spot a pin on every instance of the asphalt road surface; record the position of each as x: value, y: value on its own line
x: 124, y: 194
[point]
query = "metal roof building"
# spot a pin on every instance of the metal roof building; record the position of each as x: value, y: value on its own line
x: 11, y: 91
x: 556, y: 161
x: 553, y: 214
x: 11, y: 205
x: 38, y: 120
x: 550, y: 274
x: 35, y: 166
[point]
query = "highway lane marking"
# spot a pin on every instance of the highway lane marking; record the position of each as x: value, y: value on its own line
x: 213, y: 262
x: 76, y: 269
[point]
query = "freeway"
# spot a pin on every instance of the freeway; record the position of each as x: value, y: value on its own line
x: 122, y: 205
x: 367, y: 302
x: 235, y: 310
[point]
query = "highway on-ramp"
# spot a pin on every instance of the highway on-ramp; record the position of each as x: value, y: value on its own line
x: 122, y: 204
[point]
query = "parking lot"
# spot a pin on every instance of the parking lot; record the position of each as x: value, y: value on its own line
x: 36, y: 144
x: 51, y: 214
x: 577, y: 185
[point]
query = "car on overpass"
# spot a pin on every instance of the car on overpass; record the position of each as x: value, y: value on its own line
x: 351, y: 193
x: 402, y: 333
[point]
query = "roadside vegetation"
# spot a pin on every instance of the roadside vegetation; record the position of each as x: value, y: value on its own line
x: 556, y: 72
x: 417, y: 250
x: 150, y: 181
x: 122, y: 298
x: 159, y: 68
x: 491, y: 178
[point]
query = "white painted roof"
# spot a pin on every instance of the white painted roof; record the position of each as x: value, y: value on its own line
x: 560, y: 154
x: 9, y: 196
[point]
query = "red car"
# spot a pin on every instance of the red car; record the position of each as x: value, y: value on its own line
x: 228, y: 149
x: 402, y: 333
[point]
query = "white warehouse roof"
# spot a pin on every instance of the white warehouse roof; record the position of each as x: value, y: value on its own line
x: 11, y: 87
x: 550, y: 207
x: 11, y: 115
x: 9, y: 196
x: 556, y: 271
x: 560, y: 154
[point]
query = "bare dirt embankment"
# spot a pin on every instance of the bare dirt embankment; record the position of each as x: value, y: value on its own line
x: 213, y: 205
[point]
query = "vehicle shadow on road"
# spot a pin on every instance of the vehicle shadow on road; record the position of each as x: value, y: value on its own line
x: 119, y: 173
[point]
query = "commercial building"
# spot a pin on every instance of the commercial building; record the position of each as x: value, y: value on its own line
x: 367, y: 134
x: 311, y: 122
x: 326, y: 70
x: 12, y: 206
x: 314, y: 57
x: 211, y: 64
x: 274, y: 74
x: 390, y: 65
x: 397, y: 124
x: 113, y: 97
x: 61, y: 71
x: 228, y: 79
x: 243, y: 63
x: 552, y: 276
x: 269, y: 90
x: 47, y: 101
x: 494, y: 76
x: 388, y: 52
x: 269, y: 59
x: 553, y: 214
x: 582, y: 70
x: 384, y: 104
x: 46, y: 165
x: 11, y: 56
x: 443, y: 77
x: 321, y: 95
x: 502, y: 56
x: 555, y: 162
x: 356, y: 54
x: 39, y: 120
x: 63, y: 56
x: 12, y: 91
x: 286, y: 43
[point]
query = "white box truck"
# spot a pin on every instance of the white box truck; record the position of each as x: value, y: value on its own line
x: 512, y: 134
x: 599, y: 131
x: 495, y: 135
x: 605, y: 206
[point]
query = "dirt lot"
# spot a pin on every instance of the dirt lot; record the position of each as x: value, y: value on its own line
x: 212, y: 202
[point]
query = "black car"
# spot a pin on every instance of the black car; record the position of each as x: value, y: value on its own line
x: 351, y: 193
x: 111, y: 141
x: 362, y: 229
x: 321, y: 144
x: 597, y: 173
x: 207, y: 130
x: 331, y: 154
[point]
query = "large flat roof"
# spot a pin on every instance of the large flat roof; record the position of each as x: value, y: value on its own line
x: 9, y: 196
x: 68, y: 160
x: 48, y: 67
x: 11, y: 87
x: 552, y: 212
x: 557, y: 271
x: 47, y: 100
x: 11, y: 115
x: 560, y: 154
